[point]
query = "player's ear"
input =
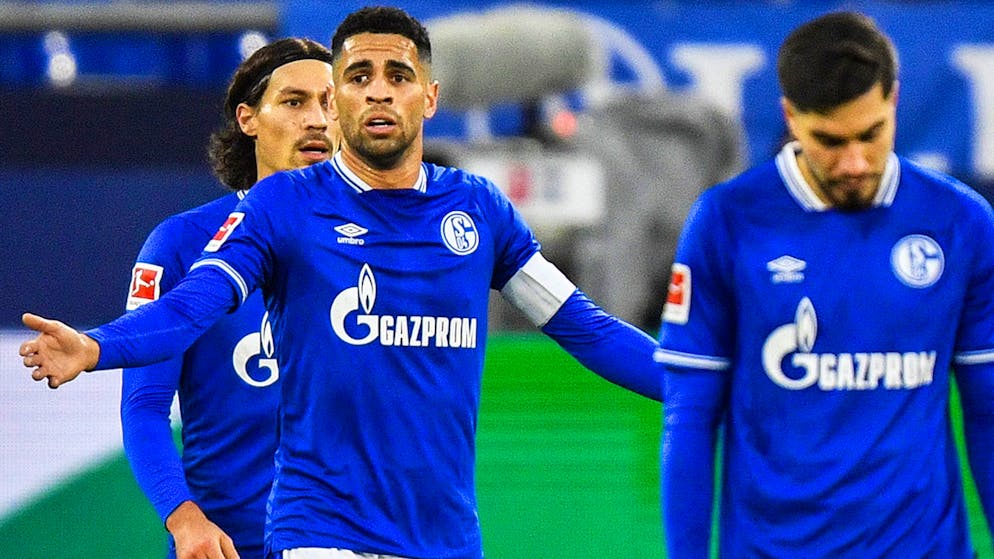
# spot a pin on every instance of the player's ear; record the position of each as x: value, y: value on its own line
x: 431, y: 99
x: 789, y: 112
x: 245, y: 115
x: 332, y: 109
x: 894, y: 91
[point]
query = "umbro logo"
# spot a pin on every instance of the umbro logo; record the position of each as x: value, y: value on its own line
x: 352, y: 233
x: 786, y: 269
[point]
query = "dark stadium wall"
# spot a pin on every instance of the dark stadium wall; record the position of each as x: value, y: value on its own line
x: 85, y: 177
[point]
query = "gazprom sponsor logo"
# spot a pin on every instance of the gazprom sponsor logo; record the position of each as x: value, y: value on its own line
x: 839, y: 371
x: 352, y: 313
x: 257, y: 344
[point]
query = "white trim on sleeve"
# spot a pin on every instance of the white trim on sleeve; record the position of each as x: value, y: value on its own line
x: 691, y: 361
x: 974, y: 357
x: 228, y: 270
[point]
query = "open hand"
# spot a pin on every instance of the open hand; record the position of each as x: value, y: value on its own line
x: 59, y: 353
x: 196, y: 536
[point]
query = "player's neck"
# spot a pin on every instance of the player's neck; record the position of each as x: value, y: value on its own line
x: 400, y: 176
x: 812, y: 181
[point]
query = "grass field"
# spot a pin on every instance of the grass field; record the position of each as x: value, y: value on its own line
x: 567, y: 462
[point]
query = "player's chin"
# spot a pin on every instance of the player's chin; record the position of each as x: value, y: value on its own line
x: 853, y: 202
x: 852, y: 194
x: 305, y: 157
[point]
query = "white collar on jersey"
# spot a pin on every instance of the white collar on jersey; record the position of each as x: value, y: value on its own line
x: 359, y: 185
x: 801, y: 191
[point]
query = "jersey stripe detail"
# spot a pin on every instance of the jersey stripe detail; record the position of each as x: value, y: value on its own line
x: 801, y: 191
x: 791, y: 174
x: 979, y: 357
x: 538, y: 289
x: 691, y: 361
x: 888, y: 182
x: 359, y: 185
x: 227, y: 269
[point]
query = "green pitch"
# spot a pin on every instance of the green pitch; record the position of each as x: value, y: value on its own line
x: 567, y: 467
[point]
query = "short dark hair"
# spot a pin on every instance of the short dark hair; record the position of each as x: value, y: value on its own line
x: 834, y: 59
x: 383, y: 19
x: 231, y: 152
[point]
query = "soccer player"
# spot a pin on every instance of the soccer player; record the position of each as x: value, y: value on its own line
x: 376, y: 269
x: 816, y: 306
x: 276, y: 118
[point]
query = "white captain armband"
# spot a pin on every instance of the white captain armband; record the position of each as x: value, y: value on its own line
x: 538, y: 289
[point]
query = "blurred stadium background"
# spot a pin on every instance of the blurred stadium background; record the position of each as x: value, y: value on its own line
x: 602, y: 120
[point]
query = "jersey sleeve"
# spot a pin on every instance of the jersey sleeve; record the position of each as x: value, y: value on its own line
x: 514, y: 243
x: 538, y: 289
x: 694, y: 402
x: 975, y: 336
x: 147, y: 392
x: 237, y: 260
x: 607, y: 345
x: 699, y: 316
x: 696, y: 345
x: 974, y: 360
x: 245, y: 245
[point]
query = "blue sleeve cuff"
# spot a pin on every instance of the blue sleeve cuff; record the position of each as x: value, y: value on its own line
x: 607, y: 345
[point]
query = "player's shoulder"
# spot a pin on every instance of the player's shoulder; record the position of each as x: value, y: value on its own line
x: 750, y: 189
x: 476, y: 190
x: 936, y: 186
x: 285, y: 184
x: 281, y: 194
x: 211, y: 213
x: 451, y: 178
x: 181, y: 237
x: 202, y: 219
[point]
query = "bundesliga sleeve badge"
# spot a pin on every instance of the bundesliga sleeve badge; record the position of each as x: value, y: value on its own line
x: 145, y: 279
x: 677, y: 309
x: 227, y: 228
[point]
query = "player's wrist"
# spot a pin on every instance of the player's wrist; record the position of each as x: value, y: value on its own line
x: 91, y: 352
x: 183, y: 515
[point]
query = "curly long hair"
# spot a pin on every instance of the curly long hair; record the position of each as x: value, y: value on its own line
x: 231, y: 152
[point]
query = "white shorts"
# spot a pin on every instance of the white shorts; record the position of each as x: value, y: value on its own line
x: 331, y: 553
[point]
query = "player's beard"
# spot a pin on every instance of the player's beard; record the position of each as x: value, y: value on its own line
x: 379, y: 153
x: 848, y: 199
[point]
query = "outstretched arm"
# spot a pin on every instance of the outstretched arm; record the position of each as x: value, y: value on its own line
x: 149, y: 334
x: 607, y: 345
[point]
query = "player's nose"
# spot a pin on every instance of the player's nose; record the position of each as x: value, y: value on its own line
x: 853, y: 160
x: 316, y: 116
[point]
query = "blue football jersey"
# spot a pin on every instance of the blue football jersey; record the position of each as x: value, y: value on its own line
x: 837, y: 331
x: 378, y: 299
x: 227, y: 383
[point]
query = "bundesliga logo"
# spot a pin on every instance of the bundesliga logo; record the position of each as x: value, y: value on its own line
x: 145, y: 280
x: 227, y: 228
